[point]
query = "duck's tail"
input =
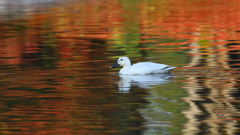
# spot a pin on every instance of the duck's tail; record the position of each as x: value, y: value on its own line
x: 168, y: 68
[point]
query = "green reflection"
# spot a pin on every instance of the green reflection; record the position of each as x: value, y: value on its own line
x: 127, y: 35
x: 166, y: 54
x: 165, y: 109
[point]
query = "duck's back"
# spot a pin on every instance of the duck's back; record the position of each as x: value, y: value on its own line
x: 149, y: 68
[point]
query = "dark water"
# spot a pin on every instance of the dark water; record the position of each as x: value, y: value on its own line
x: 54, y: 58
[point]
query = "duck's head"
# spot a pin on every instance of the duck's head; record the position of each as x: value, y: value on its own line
x: 122, y: 61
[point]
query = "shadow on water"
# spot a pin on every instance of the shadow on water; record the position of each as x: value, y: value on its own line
x: 141, y: 81
x: 161, y: 96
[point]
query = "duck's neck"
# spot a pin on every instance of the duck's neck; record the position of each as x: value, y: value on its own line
x: 125, y: 69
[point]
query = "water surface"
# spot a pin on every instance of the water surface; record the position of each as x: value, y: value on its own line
x: 55, y: 56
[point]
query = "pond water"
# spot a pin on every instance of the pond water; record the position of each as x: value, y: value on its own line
x: 55, y: 58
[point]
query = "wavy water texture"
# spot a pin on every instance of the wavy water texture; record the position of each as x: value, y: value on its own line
x: 54, y: 59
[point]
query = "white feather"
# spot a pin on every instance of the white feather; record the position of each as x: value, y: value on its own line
x: 142, y: 67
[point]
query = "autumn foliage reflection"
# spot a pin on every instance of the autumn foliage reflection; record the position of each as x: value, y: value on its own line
x: 54, y: 52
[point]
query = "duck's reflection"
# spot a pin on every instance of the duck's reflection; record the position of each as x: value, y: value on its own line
x: 142, y: 81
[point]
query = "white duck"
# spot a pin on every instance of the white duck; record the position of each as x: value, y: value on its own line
x: 141, y: 67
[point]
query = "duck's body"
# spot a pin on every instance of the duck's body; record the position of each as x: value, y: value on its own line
x: 141, y: 67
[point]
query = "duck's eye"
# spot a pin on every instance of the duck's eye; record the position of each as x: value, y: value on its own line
x: 121, y: 59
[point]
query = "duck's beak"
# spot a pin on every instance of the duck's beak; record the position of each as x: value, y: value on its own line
x: 115, y: 65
